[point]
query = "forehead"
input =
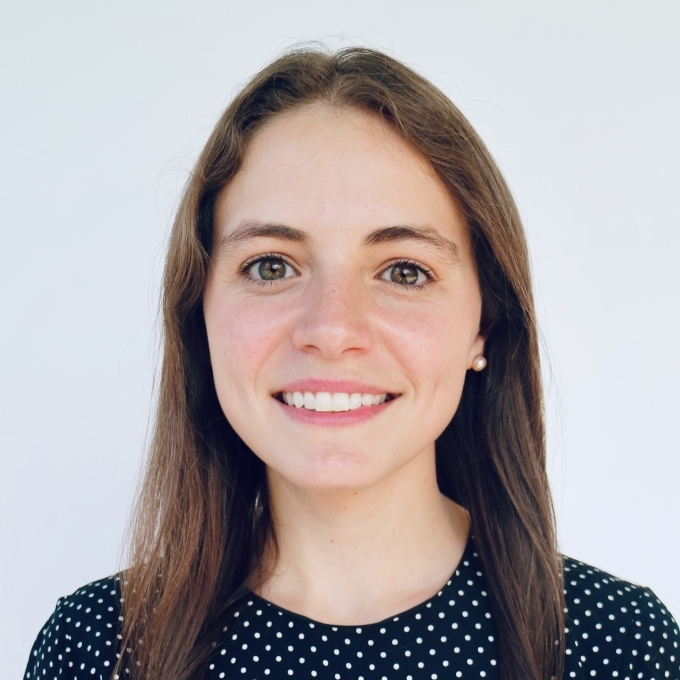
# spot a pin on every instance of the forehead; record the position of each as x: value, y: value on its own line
x: 321, y: 166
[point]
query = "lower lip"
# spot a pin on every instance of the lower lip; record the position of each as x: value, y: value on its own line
x: 333, y: 418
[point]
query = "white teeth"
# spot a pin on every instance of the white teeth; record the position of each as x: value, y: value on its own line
x: 338, y: 401
x: 323, y: 402
x: 354, y: 401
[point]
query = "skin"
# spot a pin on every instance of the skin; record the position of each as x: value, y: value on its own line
x: 362, y: 529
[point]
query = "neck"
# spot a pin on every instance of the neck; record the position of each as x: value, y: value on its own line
x: 355, y: 557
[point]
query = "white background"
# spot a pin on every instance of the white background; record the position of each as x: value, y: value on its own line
x: 104, y: 106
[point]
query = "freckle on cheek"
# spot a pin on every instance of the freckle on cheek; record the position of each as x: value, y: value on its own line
x: 245, y: 345
x: 240, y: 355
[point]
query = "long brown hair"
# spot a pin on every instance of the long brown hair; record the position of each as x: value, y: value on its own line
x: 203, y: 518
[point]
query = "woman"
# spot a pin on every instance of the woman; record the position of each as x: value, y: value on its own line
x: 347, y: 477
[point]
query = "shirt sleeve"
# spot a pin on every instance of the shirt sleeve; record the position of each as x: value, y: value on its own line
x: 653, y: 647
x: 80, y: 639
x: 52, y: 653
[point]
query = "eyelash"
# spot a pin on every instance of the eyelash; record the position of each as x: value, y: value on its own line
x: 265, y: 256
x: 429, y: 276
x: 277, y: 256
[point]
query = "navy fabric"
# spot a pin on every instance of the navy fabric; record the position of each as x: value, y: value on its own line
x: 614, y: 630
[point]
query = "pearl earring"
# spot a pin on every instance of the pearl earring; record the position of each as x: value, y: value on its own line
x: 479, y: 363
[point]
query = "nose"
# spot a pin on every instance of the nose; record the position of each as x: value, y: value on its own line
x: 333, y: 321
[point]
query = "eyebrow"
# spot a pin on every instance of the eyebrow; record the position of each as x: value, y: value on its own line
x: 424, y: 234
x: 252, y: 229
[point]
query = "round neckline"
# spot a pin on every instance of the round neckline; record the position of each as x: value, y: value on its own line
x: 468, y: 555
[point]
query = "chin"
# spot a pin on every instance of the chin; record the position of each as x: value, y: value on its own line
x: 335, y: 471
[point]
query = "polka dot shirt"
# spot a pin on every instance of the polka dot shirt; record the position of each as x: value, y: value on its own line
x: 614, y: 630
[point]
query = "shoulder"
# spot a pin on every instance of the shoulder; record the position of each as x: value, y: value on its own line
x: 81, y: 634
x: 617, y: 628
x: 94, y: 609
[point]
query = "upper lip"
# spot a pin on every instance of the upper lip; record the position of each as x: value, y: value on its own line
x: 315, y: 385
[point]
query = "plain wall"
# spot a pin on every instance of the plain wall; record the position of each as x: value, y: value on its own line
x: 106, y: 104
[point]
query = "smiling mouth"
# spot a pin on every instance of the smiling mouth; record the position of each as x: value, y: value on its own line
x: 326, y: 402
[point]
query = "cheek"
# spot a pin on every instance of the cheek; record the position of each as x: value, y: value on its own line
x: 243, y: 334
x: 432, y: 342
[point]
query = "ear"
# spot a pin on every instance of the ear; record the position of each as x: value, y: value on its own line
x: 477, y: 350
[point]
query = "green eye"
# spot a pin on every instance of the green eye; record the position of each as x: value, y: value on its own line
x: 268, y: 268
x: 406, y: 274
x: 271, y: 269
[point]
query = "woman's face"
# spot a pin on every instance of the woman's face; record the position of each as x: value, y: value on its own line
x: 343, y: 283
